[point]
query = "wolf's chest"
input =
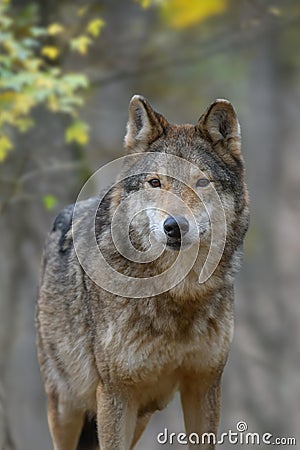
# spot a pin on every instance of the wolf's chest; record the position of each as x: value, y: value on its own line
x: 137, y: 357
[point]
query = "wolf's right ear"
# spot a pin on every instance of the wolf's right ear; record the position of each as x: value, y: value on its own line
x: 144, y: 125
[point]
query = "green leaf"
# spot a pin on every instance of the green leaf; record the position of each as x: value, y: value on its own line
x: 31, y: 43
x: 49, y: 201
x: 76, y: 80
x: 38, y: 31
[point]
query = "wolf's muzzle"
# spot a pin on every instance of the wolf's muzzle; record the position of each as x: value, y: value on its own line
x: 175, y: 228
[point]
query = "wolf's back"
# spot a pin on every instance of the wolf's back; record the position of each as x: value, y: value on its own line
x: 62, y: 318
x: 62, y: 224
x: 61, y: 233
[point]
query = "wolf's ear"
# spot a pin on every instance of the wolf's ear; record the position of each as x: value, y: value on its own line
x: 220, y: 124
x: 144, y: 125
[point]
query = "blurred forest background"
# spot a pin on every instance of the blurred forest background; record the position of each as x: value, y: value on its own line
x: 67, y: 72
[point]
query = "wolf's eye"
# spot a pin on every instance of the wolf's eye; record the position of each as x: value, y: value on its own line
x: 155, y: 183
x: 202, y: 182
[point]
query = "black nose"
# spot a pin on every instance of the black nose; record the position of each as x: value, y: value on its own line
x: 175, y: 227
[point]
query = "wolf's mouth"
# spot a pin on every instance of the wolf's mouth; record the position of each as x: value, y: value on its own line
x: 174, y: 244
x: 178, y: 244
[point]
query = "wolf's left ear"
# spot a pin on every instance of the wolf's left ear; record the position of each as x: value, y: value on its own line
x: 144, y: 125
x: 220, y: 124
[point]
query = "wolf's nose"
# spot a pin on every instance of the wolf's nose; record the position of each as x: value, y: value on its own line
x: 175, y: 227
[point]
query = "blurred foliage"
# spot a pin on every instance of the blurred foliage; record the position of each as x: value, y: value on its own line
x: 30, y: 73
x: 30, y: 63
x: 49, y: 201
x: 78, y: 132
x: 184, y: 13
x: 31, y: 56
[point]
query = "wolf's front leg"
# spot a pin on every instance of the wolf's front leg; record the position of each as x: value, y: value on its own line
x: 116, y: 419
x: 65, y: 422
x: 200, y: 398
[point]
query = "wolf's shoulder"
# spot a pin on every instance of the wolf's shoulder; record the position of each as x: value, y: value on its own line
x: 63, y: 221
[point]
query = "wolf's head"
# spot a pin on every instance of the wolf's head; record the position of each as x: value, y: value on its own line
x: 176, y: 211
x: 196, y: 171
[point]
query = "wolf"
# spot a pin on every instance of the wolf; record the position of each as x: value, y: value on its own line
x: 112, y: 352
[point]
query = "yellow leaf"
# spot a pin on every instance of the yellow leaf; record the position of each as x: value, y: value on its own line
x: 50, y: 52
x: 275, y: 11
x: 77, y: 132
x: 44, y: 82
x: 7, y: 117
x: 82, y: 11
x: 6, y: 98
x: 23, y: 103
x: 24, y: 124
x: 32, y: 65
x: 145, y: 3
x: 81, y: 44
x: 54, y: 29
x: 5, y: 147
x: 95, y: 26
x: 53, y: 103
x: 10, y: 48
x: 184, y: 13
